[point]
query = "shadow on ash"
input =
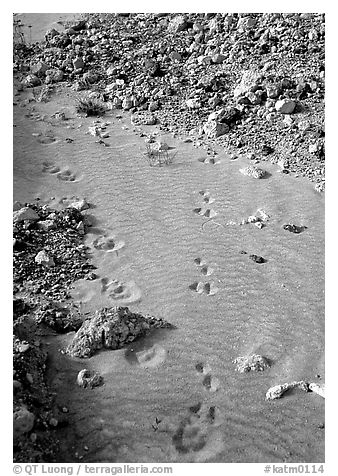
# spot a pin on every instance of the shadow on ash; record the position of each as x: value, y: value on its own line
x: 112, y: 328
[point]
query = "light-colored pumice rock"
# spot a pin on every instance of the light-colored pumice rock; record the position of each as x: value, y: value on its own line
x: 285, y: 106
x: 254, y: 362
x: 89, y: 379
x: 25, y: 213
x: 44, y: 259
x: 111, y: 328
x: 23, y: 421
x: 278, y: 390
x: 252, y: 171
x: 318, y: 389
x: 80, y: 204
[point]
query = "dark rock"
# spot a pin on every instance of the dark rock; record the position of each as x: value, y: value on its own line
x: 294, y: 228
x: 257, y: 259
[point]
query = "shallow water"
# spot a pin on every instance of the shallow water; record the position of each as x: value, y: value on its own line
x: 153, y: 242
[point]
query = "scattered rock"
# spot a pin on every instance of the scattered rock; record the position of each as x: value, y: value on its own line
x: 89, y: 379
x: 25, y: 213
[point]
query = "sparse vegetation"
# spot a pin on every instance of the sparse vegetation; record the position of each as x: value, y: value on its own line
x: 90, y: 106
x: 158, y: 157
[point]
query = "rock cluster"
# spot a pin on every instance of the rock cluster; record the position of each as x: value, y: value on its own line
x: 111, y: 328
x: 278, y: 390
x: 48, y: 250
x: 266, y: 69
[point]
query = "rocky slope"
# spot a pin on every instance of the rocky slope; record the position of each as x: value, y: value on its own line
x: 252, y: 83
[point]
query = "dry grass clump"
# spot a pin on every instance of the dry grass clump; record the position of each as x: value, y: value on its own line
x: 90, y: 106
x: 157, y: 156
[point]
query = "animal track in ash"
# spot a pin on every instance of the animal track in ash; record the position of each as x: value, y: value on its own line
x: 206, y: 196
x: 205, y: 212
x: 210, y: 383
x: 121, y: 292
x: 148, y: 357
x: 66, y: 176
x: 50, y: 168
x: 197, y: 433
x: 203, y: 267
x: 108, y: 244
x: 204, y: 288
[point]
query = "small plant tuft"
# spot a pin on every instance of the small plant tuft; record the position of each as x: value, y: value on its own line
x: 158, y: 157
x: 90, y: 106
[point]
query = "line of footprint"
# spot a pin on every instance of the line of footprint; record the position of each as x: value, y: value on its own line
x: 197, y: 434
x: 65, y: 175
x: 205, y: 210
x: 199, y: 287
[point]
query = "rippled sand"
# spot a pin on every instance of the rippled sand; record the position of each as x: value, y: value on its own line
x: 153, y: 254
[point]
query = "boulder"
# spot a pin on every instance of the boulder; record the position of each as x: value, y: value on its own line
x: 39, y: 69
x: 218, y: 58
x: 44, y: 259
x: 80, y: 204
x: 91, y: 77
x: 177, y: 24
x: 54, y: 75
x: 127, y: 103
x: 143, y: 118
x: 318, y: 389
x: 111, y: 328
x: 51, y: 33
x: 252, y: 171
x: 25, y: 213
x: 249, y: 82
x: 89, y: 379
x: 193, y: 103
x: 31, y: 81
x: 78, y: 63
x: 175, y: 56
x: 214, y: 129
x: 278, y: 390
x: 17, y: 206
x: 285, y: 106
x: 23, y: 421
x: 46, y: 225
x: 153, y: 106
